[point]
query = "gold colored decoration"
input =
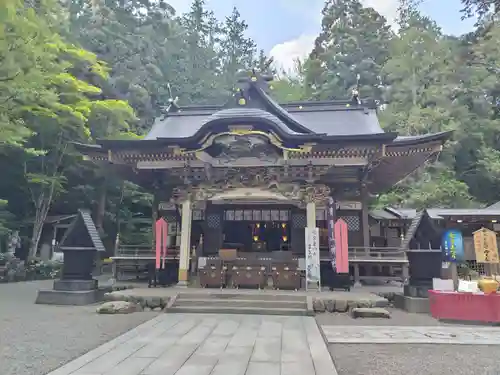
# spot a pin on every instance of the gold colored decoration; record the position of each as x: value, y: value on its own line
x: 488, y: 285
x: 485, y: 246
x: 316, y: 193
x: 273, y: 138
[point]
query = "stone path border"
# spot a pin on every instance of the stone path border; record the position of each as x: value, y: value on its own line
x: 193, y: 344
x: 459, y: 335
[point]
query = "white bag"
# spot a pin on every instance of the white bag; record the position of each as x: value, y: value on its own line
x: 468, y: 286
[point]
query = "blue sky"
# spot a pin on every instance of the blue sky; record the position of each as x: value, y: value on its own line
x: 287, y: 28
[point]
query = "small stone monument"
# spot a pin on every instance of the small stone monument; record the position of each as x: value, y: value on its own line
x: 80, y: 245
x: 424, y: 266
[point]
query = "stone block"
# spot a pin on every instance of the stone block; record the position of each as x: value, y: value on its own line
x: 420, y: 291
x: 330, y: 305
x: 364, y: 303
x: 73, y: 298
x: 389, y: 296
x: 75, y: 285
x: 370, y: 312
x: 156, y: 302
x: 414, y: 305
x: 118, y: 307
x: 341, y: 305
x: 318, y: 305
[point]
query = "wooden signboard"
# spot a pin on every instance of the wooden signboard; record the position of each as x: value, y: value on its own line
x: 485, y: 246
x: 313, y: 279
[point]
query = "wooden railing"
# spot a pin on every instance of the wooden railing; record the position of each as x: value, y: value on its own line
x: 360, y: 254
x: 140, y: 252
x: 376, y: 253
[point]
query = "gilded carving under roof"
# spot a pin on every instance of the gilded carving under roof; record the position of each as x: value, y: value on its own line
x: 298, y: 193
x: 248, y: 132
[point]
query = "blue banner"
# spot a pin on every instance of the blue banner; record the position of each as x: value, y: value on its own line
x: 453, y: 245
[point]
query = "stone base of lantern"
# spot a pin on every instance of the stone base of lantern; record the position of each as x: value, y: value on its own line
x: 71, y: 292
x: 417, y: 291
x: 415, y: 305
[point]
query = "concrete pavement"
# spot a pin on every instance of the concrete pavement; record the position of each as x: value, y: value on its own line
x: 191, y: 344
x: 447, y: 335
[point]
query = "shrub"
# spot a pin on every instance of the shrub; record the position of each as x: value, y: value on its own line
x: 16, y: 270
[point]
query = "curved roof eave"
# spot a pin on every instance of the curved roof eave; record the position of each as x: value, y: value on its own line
x: 199, y: 135
x: 418, y: 139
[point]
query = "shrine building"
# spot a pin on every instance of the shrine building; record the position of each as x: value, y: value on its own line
x: 251, y: 175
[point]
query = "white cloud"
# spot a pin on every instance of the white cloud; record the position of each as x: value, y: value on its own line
x: 285, y: 54
x: 387, y: 8
x: 180, y: 6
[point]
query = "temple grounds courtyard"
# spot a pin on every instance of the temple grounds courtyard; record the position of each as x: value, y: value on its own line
x: 38, y: 339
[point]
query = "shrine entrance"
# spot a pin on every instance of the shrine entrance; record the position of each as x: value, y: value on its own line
x: 259, y: 228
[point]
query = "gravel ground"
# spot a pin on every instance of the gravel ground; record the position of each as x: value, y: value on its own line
x: 415, y: 359
x: 36, y: 339
x: 408, y: 359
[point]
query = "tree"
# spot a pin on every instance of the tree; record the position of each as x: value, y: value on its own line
x: 423, y: 81
x: 201, y: 78
x: 349, y: 52
x: 480, y: 8
x: 53, y: 105
x: 237, y: 52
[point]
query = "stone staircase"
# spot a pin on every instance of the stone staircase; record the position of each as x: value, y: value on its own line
x: 239, y: 303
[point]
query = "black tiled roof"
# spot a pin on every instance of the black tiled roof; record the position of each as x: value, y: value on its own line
x: 332, y: 118
x: 184, y: 124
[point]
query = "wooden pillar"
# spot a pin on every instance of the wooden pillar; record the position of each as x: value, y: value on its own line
x: 185, y: 248
x: 311, y: 214
x: 365, y: 224
x: 406, y: 272
x: 154, y: 218
x: 356, y: 274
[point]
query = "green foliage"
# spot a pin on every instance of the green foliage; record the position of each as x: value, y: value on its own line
x: 480, y: 8
x: 5, y: 218
x: 77, y: 71
x: 349, y: 52
x: 49, y: 92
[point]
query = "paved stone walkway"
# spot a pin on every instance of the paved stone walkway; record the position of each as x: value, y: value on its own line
x: 187, y: 344
x: 412, y: 335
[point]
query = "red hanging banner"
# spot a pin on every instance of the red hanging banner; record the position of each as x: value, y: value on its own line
x: 341, y: 241
x: 161, y: 236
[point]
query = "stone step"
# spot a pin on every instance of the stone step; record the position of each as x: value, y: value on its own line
x: 244, y: 295
x: 240, y: 303
x: 236, y: 310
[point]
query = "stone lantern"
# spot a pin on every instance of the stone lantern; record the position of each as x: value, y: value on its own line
x: 79, y: 245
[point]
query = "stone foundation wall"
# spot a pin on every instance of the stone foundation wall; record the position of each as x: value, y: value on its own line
x: 342, y: 305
